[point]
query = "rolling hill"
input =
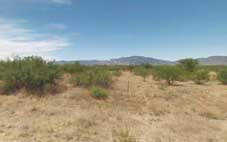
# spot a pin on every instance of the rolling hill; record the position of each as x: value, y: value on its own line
x: 213, y: 60
x: 137, y: 60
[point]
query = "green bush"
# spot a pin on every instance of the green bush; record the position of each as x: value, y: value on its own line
x: 142, y: 71
x: 116, y: 73
x: 102, y: 78
x: 189, y: 64
x: 223, y: 76
x: 31, y: 73
x: 73, y: 68
x: 201, y: 76
x: 93, y: 77
x: 168, y: 73
x: 82, y: 79
x: 147, y: 66
x: 98, y: 93
x: 130, y: 67
x: 185, y: 75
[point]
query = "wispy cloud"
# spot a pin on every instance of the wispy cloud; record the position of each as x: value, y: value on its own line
x: 17, y: 39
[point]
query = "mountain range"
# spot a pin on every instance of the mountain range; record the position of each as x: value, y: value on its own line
x: 137, y: 60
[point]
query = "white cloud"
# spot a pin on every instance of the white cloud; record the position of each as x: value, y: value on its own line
x: 16, y: 39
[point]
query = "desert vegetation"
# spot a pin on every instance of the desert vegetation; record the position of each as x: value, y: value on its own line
x: 93, y: 77
x: 201, y: 76
x: 168, y: 73
x: 114, y: 103
x: 223, y: 76
x: 98, y: 93
x: 38, y: 76
x: 31, y: 73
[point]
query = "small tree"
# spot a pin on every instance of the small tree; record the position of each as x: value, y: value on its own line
x: 168, y: 73
x: 141, y: 71
x: 201, y: 76
x: 223, y: 77
x: 189, y: 64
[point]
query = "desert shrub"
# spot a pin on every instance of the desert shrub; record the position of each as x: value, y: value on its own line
x: 223, y: 76
x: 189, y: 64
x: 212, y: 68
x: 116, y: 73
x: 212, y: 75
x: 93, y: 77
x: 82, y: 79
x: 102, y: 78
x: 31, y: 73
x: 73, y: 68
x: 131, y: 67
x: 98, y: 93
x: 142, y: 71
x: 1, y: 69
x: 201, y: 76
x: 168, y: 73
x: 147, y: 66
x: 185, y: 75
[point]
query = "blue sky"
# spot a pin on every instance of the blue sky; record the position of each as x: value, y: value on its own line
x: 104, y: 29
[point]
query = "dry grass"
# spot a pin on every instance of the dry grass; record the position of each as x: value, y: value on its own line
x: 137, y: 111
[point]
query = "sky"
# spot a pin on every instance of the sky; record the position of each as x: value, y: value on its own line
x: 105, y: 29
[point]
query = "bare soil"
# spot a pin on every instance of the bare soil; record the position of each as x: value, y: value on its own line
x: 136, y: 111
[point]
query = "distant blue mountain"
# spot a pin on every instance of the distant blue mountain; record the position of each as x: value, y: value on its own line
x: 137, y: 60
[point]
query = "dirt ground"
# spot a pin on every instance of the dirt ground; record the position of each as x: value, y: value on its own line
x: 135, y: 111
